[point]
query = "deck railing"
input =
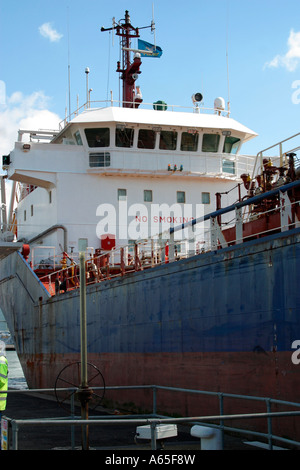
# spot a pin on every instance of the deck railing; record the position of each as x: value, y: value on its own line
x: 220, y: 229
x: 280, y: 150
x: 170, y: 107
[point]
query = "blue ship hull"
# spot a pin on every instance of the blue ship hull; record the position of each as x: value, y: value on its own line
x: 223, y: 321
x: 241, y: 303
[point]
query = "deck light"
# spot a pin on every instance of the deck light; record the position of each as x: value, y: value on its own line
x: 197, y: 97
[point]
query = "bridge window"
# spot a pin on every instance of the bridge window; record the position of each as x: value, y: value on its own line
x: 78, y: 138
x: 210, y: 142
x: 97, y: 137
x: 124, y: 137
x: 146, y: 139
x: 231, y: 145
x: 189, y: 141
x: 168, y: 140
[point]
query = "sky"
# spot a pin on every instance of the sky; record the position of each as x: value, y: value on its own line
x: 247, y: 51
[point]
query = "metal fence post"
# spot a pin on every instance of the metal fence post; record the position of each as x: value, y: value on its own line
x: 14, y: 429
x: 154, y: 389
x: 153, y: 436
x: 269, y: 419
x: 221, y: 402
x: 73, y: 416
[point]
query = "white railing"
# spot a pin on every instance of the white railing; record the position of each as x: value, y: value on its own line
x: 172, y: 107
x: 281, y: 160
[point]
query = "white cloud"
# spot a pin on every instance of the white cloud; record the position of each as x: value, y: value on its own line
x: 48, y: 32
x: 291, y: 59
x: 2, y: 92
x: 24, y: 112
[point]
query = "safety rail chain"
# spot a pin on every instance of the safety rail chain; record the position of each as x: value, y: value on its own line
x: 150, y: 253
x: 155, y: 419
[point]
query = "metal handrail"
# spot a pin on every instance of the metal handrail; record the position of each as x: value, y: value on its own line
x: 157, y: 245
x: 111, y: 102
x: 154, y: 419
x: 279, y: 144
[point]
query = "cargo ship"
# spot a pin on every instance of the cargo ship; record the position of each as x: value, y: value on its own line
x: 191, y: 248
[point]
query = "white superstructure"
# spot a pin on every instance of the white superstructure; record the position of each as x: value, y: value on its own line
x: 75, y: 189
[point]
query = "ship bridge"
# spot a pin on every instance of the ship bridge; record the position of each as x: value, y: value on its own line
x: 210, y: 118
x: 135, y: 141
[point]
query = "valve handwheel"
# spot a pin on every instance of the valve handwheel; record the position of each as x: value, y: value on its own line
x: 70, y: 378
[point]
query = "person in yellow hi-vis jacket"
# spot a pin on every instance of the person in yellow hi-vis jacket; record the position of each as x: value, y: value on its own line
x: 3, y: 380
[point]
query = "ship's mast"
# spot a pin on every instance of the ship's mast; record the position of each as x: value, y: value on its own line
x: 129, y: 70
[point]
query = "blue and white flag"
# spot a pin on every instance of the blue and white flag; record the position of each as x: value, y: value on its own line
x: 150, y: 49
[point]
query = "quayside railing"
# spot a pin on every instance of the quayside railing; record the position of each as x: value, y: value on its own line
x: 154, y: 419
x: 210, y: 232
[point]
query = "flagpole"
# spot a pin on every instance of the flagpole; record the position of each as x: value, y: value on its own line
x: 153, y: 26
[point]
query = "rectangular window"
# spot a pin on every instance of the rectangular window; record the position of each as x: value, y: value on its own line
x: 124, y: 137
x: 180, y: 196
x: 31, y: 210
x: 148, y: 197
x: 100, y: 159
x: 210, y: 142
x: 205, y: 197
x: 24, y: 216
x: 122, y: 194
x: 228, y: 167
x: 146, y: 139
x: 50, y: 197
x: 168, y: 140
x: 98, y: 137
x: 78, y: 138
x: 189, y: 141
x: 231, y: 145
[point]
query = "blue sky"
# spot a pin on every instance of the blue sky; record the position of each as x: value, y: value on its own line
x: 37, y: 38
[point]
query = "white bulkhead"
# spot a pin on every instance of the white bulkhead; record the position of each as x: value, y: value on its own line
x: 109, y: 169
